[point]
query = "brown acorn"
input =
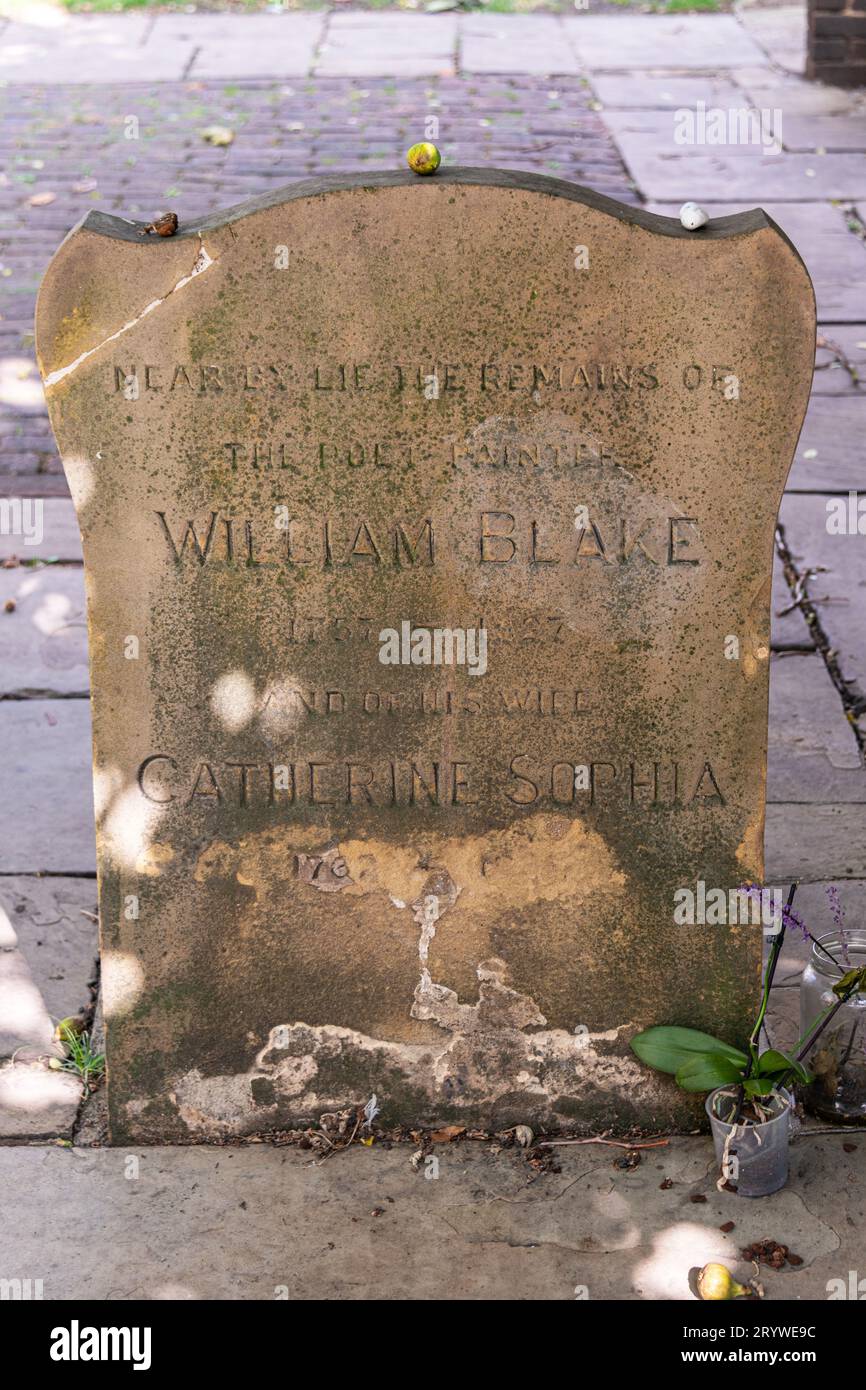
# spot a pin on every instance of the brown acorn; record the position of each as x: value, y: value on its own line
x: 164, y: 225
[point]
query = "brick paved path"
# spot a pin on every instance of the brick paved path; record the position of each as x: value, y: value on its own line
x: 587, y: 98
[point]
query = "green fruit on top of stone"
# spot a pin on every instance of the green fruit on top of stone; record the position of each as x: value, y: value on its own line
x: 423, y: 158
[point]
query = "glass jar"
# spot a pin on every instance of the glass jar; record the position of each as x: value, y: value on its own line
x: 838, y: 1059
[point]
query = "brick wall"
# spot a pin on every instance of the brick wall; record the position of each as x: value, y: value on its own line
x: 837, y: 42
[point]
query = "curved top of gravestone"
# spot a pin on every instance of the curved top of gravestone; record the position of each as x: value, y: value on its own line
x: 735, y: 224
x: 96, y: 286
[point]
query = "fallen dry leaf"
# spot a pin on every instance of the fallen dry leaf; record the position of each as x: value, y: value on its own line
x: 447, y: 1134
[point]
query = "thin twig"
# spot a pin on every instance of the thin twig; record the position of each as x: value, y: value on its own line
x: 831, y: 1129
x: 615, y: 1143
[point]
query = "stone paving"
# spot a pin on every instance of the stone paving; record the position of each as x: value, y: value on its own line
x: 260, y: 1222
x: 588, y: 98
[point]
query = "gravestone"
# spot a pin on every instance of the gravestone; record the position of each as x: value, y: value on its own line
x: 428, y: 529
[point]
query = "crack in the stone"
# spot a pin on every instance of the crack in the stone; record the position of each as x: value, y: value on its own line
x: 202, y: 261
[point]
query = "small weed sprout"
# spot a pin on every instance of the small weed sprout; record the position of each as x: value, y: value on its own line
x: 80, y: 1056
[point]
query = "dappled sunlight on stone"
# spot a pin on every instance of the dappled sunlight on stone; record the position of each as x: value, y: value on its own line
x: 79, y: 475
x: 23, y: 1019
x: 664, y: 1273
x: 233, y: 700
x: 33, y: 1088
x: 128, y: 826
x: 107, y: 782
x: 8, y: 937
x: 122, y: 982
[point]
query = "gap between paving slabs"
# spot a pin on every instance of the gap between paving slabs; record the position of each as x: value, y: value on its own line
x: 851, y: 695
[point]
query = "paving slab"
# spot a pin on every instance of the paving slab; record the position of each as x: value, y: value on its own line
x: 608, y: 43
x: 827, y: 133
x: 36, y: 1103
x: 90, y: 49
x: 388, y: 45
x: 812, y: 751
x: 814, y: 842
x: 829, y: 456
x: 43, y: 639
x: 841, y: 587
x: 835, y: 257
x: 795, y: 95
x: 700, y: 172
x: 247, y: 46
x: 505, y: 43
x: 43, y: 485
x: 26, y: 1029
x: 798, y: 134
x: 780, y: 30
x: 45, y: 787
x: 262, y: 1222
x: 60, y: 538
x: 632, y: 91
x: 53, y: 921
x: 664, y: 132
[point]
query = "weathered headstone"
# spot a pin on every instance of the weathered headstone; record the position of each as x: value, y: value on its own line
x: 320, y: 444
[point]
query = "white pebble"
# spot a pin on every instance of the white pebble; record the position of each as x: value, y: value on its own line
x: 692, y: 217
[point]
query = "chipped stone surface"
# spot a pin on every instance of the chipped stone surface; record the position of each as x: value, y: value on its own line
x: 431, y: 416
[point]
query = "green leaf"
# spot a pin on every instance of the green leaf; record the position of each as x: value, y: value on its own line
x: 848, y: 982
x: 758, y: 1086
x: 705, y: 1071
x: 774, y: 1062
x: 668, y: 1048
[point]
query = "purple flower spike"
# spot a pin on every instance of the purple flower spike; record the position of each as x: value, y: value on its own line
x: 838, y: 913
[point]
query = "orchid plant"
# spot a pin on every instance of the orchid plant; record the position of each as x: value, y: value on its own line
x: 700, y: 1062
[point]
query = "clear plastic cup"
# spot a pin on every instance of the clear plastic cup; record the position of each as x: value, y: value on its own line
x: 754, y: 1158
